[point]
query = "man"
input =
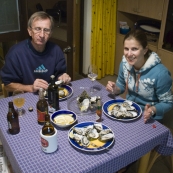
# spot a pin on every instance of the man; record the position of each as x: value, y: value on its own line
x: 30, y: 63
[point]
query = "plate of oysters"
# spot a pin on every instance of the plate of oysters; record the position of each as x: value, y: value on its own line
x: 122, y: 110
x: 83, y: 101
x: 65, y: 91
x: 91, y: 136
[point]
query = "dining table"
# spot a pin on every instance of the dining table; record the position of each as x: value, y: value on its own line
x: 133, y: 139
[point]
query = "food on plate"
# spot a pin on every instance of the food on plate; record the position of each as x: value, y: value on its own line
x: 62, y: 92
x: 64, y: 119
x: 85, y: 102
x: 92, y: 136
x: 123, y: 110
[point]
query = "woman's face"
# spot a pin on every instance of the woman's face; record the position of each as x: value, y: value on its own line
x: 134, y: 53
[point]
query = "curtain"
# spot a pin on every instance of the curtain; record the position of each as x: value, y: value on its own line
x: 103, y: 31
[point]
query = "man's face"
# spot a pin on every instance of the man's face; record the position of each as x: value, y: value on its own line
x: 40, y: 31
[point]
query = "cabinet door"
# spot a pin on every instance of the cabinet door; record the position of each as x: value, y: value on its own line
x: 119, y: 51
x: 129, y: 6
x: 167, y: 59
x: 151, y: 8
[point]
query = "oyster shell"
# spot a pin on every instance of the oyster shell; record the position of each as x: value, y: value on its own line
x: 93, y: 134
x: 78, y: 130
x: 61, y: 93
x: 84, y: 141
x: 106, y: 137
x: 104, y: 132
x: 85, y: 105
x: 77, y: 137
x: 98, y: 126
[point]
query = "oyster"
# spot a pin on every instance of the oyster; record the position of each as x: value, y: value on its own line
x: 85, y: 105
x: 61, y: 93
x: 106, y: 137
x: 77, y: 137
x: 84, y: 141
x: 98, y: 126
x: 116, y: 107
x: 93, y: 134
x: 78, y: 130
x: 104, y: 132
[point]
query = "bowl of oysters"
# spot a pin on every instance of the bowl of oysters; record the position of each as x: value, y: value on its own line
x: 83, y: 101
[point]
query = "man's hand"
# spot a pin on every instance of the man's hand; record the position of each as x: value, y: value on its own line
x: 65, y: 78
x: 39, y: 83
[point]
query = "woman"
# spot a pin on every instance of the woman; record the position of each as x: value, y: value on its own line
x: 146, y: 79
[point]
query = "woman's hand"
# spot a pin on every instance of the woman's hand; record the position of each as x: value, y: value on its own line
x: 148, y: 112
x: 112, y: 88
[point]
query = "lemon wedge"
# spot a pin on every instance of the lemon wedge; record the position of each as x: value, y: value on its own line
x: 64, y: 119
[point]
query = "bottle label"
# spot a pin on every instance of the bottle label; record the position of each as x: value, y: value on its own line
x: 44, y: 143
x: 41, y: 116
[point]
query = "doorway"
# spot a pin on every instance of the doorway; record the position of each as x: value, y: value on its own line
x: 72, y: 31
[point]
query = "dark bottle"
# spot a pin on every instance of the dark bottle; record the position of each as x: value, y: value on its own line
x: 13, y: 120
x: 53, y: 95
x: 48, y: 128
x: 99, y: 111
x: 42, y: 107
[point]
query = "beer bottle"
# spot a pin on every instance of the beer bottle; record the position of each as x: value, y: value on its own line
x: 53, y: 95
x: 99, y: 111
x: 13, y: 121
x: 48, y: 128
x: 42, y: 107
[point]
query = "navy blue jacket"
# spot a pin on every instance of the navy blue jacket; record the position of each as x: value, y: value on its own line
x: 23, y: 64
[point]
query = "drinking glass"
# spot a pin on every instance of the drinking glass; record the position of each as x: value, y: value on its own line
x: 19, y: 101
x: 92, y: 75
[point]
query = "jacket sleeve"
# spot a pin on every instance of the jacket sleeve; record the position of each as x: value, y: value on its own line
x: 11, y: 70
x: 120, y: 80
x: 164, y: 94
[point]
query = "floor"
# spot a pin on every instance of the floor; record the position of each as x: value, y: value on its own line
x: 162, y: 164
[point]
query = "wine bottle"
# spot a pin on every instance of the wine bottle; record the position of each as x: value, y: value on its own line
x: 99, y: 111
x: 42, y: 107
x: 13, y: 120
x: 48, y: 128
x: 53, y: 95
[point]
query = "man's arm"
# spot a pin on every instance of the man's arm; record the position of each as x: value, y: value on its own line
x: 38, y: 83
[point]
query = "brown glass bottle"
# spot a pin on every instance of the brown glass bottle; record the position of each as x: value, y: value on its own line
x: 99, y: 111
x: 42, y: 107
x: 48, y: 128
x: 53, y: 94
x: 13, y: 120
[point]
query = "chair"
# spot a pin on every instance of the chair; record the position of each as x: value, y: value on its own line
x: 148, y: 160
x: 4, y: 92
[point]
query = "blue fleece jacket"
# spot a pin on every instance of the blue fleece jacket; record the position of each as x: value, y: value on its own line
x: 151, y: 84
x: 23, y: 64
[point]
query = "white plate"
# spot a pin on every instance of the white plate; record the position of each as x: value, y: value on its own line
x: 150, y: 28
x: 76, y: 145
x: 109, y: 103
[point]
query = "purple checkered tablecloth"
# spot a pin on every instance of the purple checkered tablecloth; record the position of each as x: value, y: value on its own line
x: 132, y: 140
